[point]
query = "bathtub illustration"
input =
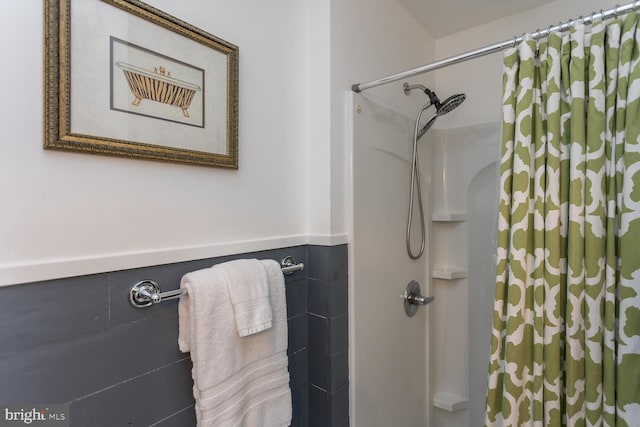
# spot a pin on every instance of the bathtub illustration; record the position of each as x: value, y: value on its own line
x: 159, y: 87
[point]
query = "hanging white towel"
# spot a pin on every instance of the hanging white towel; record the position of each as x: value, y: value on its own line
x: 238, y: 381
x: 249, y: 292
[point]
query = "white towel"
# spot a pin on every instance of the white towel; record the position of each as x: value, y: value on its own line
x: 238, y: 381
x: 249, y: 292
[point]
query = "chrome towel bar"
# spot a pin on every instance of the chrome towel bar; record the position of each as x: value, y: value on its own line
x: 147, y: 292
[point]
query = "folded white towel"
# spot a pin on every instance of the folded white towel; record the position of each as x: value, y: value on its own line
x: 249, y: 292
x: 238, y: 382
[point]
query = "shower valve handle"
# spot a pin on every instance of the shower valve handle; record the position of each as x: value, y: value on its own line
x: 413, y: 298
x: 419, y: 299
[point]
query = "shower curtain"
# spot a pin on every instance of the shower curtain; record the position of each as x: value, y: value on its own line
x: 565, y: 346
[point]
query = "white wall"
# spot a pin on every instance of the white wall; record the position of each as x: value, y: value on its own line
x: 369, y: 39
x: 65, y: 214
x: 318, y: 120
x: 350, y: 42
x: 481, y: 79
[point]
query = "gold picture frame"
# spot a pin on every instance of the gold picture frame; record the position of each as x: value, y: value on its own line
x: 125, y: 79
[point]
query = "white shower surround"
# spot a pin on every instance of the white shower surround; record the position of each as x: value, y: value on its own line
x: 388, y: 350
x: 481, y: 80
x: 400, y: 366
x: 464, y: 190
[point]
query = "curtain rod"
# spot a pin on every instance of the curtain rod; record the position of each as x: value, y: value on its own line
x: 497, y: 47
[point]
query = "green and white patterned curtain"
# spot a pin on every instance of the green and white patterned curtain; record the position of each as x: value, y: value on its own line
x: 566, y: 325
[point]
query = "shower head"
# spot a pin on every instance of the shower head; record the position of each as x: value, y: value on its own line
x: 450, y: 104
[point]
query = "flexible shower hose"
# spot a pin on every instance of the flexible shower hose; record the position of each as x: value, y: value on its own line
x: 415, y: 184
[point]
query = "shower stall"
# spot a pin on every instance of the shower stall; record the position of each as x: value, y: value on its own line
x: 429, y: 369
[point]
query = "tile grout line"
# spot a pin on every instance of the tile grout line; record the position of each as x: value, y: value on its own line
x: 128, y: 380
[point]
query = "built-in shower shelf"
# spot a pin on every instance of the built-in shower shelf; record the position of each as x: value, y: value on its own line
x: 449, y: 216
x: 449, y: 273
x: 450, y: 402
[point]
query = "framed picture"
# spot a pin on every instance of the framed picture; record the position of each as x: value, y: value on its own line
x: 123, y: 78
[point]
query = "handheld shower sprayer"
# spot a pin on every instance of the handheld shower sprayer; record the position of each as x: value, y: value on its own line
x: 442, y: 108
x: 433, y: 98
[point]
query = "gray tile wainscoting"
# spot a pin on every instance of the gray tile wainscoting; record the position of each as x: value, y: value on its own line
x: 328, y: 336
x: 78, y: 341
